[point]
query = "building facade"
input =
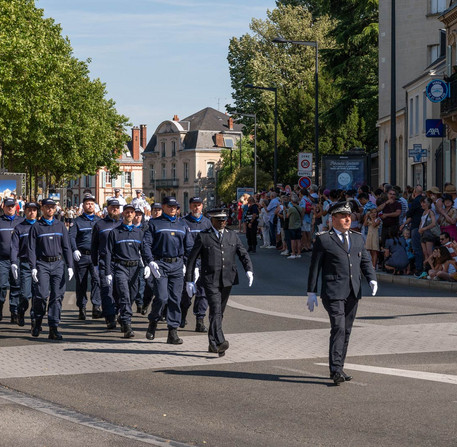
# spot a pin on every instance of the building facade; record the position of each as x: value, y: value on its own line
x: 420, y: 56
x: 102, y: 184
x: 183, y: 156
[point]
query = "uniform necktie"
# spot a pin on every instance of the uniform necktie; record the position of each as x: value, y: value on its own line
x: 345, y: 241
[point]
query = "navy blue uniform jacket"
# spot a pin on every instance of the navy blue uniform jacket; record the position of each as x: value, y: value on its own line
x: 6, y: 232
x: 341, y: 270
x: 100, y: 234
x: 19, y: 241
x: 81, y: 232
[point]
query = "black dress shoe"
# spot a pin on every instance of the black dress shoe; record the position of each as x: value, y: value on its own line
x: 96, y: 312
x: 200, y: 326
x: 36, y: 328
x: 151, y: 332
x: 144, y: 310
x: 337, y: 378
x: 14, y: 318
x: 82, y: 313
x: 173, y: 338
x: 344, y: 375
x: 128, y: 332
x: 222, y: 348
x: 20, y: 319
x: 54, y: 334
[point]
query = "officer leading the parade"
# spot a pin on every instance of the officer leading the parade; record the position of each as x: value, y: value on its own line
x: 341, y: 256
x: 48, y: 247
x: 167, y: 242
x: 196, y: 222
x: 81, y: 244
x: 20, y: 265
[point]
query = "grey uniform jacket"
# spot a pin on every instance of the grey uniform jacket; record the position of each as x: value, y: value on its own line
x: 218, y: 263
x: 340, y: 269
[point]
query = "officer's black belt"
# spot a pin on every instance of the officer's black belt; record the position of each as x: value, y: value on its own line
x: 169, y: 260
x: 85, y: 252
x: 50, y: 258
x: 126, y: 263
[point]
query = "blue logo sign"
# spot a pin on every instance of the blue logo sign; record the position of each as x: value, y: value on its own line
x: 437, y: 90
x: 434, y: 129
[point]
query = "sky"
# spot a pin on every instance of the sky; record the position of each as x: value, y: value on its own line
x: 158, y: 58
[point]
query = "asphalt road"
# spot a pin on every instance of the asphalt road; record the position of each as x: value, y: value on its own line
x: 271, y: 389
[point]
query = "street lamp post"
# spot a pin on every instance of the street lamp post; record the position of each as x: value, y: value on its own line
x: 253, y: 115
x: 275, y: 157
x: 314, y: 44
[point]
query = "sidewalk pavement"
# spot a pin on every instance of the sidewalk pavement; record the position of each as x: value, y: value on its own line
x: 406, y: 280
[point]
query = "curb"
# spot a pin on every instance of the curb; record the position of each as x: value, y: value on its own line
x: 414, y: 282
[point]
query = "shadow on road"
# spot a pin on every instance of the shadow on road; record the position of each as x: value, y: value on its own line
x: 393, y: 317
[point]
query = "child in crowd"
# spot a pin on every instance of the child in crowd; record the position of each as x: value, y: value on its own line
x: 372, y: 222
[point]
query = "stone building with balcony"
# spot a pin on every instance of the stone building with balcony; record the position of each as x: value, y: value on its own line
x: 183, y: 156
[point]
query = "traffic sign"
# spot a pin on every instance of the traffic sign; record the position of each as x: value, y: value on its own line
x: 304, y: 182
x: 305, y: 164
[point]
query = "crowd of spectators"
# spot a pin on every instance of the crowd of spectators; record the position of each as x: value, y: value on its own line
x: 410, y: 232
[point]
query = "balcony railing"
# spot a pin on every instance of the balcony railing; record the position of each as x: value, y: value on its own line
x: 449, y: 105
x: 165, y: 183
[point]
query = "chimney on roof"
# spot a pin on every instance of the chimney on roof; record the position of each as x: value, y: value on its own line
x: 175, y: 118
x: 143, y: 136
x: 230, y: 123
x: 136, y: 143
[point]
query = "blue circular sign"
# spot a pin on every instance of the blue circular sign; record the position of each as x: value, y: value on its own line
x: 437, y: 90
x: 304, y: 182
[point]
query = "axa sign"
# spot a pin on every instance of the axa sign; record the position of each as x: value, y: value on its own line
x: 434, y: 129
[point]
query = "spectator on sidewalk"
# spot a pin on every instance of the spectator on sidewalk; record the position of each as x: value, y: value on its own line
x: 371, y: 223
x: 428, y: 229
x: 448, y: 217
x: 295, y: 214
x: 264, y: 223
x: 446, y: 241
x: 442, y: 265
x: 391, y: 210
x: 271, y: 209
x: 395, y: 256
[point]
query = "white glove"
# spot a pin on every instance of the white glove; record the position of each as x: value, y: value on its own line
x: 312, y: 301
x: 35, y: 275
x: 250, y: 276
x: 191, y: 289
x: 70, y: 274
x: 109, y: 279
x: 374, y: 287
x: 76, y: 255
x: 184, y: 269
x: 196, y: 274
x: 154, y: 269
x: 14, y: 271
x: 147, y: 272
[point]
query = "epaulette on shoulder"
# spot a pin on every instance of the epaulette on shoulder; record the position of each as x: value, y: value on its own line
x: 321, y: 233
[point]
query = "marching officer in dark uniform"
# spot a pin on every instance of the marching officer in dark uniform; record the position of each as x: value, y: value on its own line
x: 140, y: 223
x: 196, y: 222
x: 217, y: 248
x: 20, y: 266
x: 8, y: 221
x: 166, y: 242
x: 122, y: 262
x: 100, y: 233
x: 341, y: 256
x: 48, y: 246
x: 81, y: 244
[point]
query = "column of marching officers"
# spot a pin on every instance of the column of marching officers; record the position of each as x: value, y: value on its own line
x: 128, y: 260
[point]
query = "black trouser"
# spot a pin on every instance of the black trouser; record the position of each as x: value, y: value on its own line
x: 126, y: 289
x: 82, y: 269
x: 342, y: 315
x: 217, y: 299
x: 251, y: 234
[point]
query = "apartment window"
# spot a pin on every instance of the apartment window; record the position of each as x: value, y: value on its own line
x: 87, y: 181
x: 164, y: 171
x: 437, y: 6
x: 173, y: 148
x: 108, y: 177
x: 416, y: 114
x: 128, y: 178
x: 186, y: 202
x: 433, y: 53
x: 210, y: 169
x: 173, y: 171
x: 186, y: 172
x: 164, y: 154
x: 411, y: 117
x: 151, y: 172
x: 424, y: 112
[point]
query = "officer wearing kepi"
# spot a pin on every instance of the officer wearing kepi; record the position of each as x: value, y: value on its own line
x: 217, y: 248
x: 100, y: 233
x: 196, y: 222
x: 20, y: 266
x: 122, y: 262
x: 341, y: 256
x: 81, y: 244
x: 8, y: 221
x: 48, y: 246
x: 166, y: 242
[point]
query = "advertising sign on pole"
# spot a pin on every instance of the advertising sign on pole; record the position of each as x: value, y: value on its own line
x: 434, y: 128
x: 305, y: 164
x: 241, y: 191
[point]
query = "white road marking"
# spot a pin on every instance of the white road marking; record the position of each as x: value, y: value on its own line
x: 421, y: 375
x: 83, y: 419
